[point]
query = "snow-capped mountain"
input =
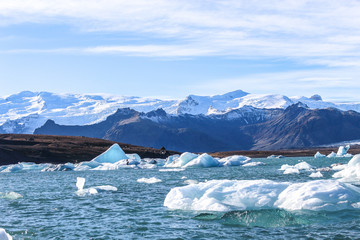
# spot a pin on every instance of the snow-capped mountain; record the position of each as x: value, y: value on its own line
x: 26, y: 111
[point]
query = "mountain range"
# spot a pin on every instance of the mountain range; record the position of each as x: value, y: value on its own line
x: 232, y: 121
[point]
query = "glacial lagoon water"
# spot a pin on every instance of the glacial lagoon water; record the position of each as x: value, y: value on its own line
x: 50, y: 208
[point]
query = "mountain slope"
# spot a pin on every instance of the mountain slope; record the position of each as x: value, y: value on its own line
x: 299, y: 127
x: 26, y: 111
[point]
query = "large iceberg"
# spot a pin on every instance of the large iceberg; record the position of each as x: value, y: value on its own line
x: 229, y: 195
x: 351, y: 171
x: 4, y: 235
x: 112, y: 155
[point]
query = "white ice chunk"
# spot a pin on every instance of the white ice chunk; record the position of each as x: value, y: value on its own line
x: 235, y: 160
x: 204, y: 161
x: 328, y: 195
x: 225, y: 195
x: 342, y: 151
x: 291, y: 171
x: 351, y: 171
x: 4, y: 235
x: 112, y: 155
x: 182, y: 160
x: 316, y: 175
x: 149, y: 180
x: 319, y: 155
x: 331, y: 155
x: 172, y: 170
x: 11, y: 195
x: 80, y: 182
x: 228, y: 195
x: 253, y: 164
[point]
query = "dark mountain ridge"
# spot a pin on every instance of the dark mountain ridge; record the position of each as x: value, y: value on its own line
x: 241, y: 129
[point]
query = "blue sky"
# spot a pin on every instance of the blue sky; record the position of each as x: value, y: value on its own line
x: 170, y: 49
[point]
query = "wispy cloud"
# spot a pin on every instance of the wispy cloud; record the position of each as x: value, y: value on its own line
x: 314, y: 32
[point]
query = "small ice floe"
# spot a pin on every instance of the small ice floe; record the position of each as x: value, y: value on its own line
x: 275, y: 156
x: 11, y: 196
x: 4, y: 235
x: 235, y: 160
x: 149, y: 180
x: 182, y: 160
x: 203, y: 161
x: 338, y: 166
x: 316, y: 175
x: 289, y: 169
x: 171, y: 170
x: 253, y: 164
x: 324, y: 169
x: 331, y: 155
x: 231, y: 195
x: 190, y: 181
x: 351, y: 171
x: 80, y: 182
x: 319, y: 155
x: 342, y: 151
x: 59, y: 167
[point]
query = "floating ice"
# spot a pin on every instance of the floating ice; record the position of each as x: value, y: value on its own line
x: 112, y: 155
x: 4, y: 235
x: 59, y: 167
x: 204, y: 160
x: 316, y: 175
x: 80, y: 182
x: 228, y: 195
x: 319, y: 155
x: 253, y: 164
x: 331, y: 155
x: 191, y: 181
x: 342, y: 151
x: 11, y: 195
x: 182, y: 160
x: 289, y: 169
x: 149, y: 180
x: 171, y: 170
x: 338, y: 166
x: 351, y: 171
x: 275, y: 156
x: 235, y: 160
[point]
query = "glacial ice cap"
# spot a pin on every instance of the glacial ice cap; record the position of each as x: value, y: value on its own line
x: 229, y: 195
x: 112, y: 155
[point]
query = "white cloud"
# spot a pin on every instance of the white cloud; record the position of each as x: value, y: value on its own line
x: 314, y: 32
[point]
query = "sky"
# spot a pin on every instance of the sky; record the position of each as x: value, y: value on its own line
x: 173, y: 48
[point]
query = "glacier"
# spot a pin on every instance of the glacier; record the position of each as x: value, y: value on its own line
x: 230, y: 195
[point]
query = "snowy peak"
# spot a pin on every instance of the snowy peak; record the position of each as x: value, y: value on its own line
x: 25, y: 111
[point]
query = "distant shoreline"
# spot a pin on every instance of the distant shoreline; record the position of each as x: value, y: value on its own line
x: 55, y: 149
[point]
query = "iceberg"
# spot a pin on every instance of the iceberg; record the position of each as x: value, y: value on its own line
x: 204, y: 161
x: 4, y: 235
x: 182, y: 160
x: 149, y: 180
x: 331, y: 155
x: 342, y: 151
x: 235, y: 160
x: 316, y: 175
x: 253, y: 164
x: 275, y: 156
x: 350, y: 171
x: 80, y: 182
x: 230, y: 195
x: 289, y: 169
x: 319, y: 155
x: 11, y: 195
x: 112, y: 155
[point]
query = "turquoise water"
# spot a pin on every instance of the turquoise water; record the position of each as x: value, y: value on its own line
x: 50, y: 209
